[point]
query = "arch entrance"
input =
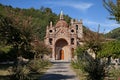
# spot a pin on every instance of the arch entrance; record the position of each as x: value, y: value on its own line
x: 62, y: 50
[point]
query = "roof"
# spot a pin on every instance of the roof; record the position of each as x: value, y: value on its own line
x: 61, y: 23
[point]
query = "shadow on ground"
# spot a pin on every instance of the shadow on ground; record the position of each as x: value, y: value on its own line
x: 56, y: 77
x: 4, y: 77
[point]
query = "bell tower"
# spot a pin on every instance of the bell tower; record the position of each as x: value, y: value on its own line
x: 79, y: 27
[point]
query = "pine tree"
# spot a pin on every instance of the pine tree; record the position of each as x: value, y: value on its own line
x: 113, y: 8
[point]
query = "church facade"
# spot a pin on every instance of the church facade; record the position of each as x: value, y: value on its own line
x: 63, y: 38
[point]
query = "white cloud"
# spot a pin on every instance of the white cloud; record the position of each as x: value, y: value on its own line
x: 80, y: 5
x: 106, y: 25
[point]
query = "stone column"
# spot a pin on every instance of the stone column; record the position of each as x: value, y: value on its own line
x: 53, y: 53
x: 70, y: 53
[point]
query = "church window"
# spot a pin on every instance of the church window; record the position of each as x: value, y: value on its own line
x: 72, y: 40
x: 50, y: 31
x: 76, y: 27
x: 50, y: 41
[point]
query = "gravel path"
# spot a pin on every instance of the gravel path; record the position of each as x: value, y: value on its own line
x: 60, y: 71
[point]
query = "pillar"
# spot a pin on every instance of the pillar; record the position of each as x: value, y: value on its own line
x: 53, y: 53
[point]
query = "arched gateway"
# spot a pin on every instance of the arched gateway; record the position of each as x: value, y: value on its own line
x: 63, y: 38
x: 62, y: 51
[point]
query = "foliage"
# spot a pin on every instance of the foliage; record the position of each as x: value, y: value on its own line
x: 25, y: 71
x: 4, y: 52
x: 20, y: 73
x: 110, y: 48
x: 19, y: 28
x: 14, y: 34
x: 37, y: 65
x: 8, y: 32
x: 92, y: 40
x: 79, y: 51
x: 114, y: 73
x: 79, y: 69
x: 40, y: 49
x: 40, y: 17
x: 95, y: 69
x: 5, y: 49
x: 114, y: 9
x: 114, y: 34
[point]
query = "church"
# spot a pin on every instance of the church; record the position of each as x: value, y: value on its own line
x: 63, y: 38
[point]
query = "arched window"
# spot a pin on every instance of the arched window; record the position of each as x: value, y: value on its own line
x: 72, y: 40
x: 50, y: 41
x: 76, y: 27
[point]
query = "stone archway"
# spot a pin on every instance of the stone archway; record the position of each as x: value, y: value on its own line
x: 61, y: 50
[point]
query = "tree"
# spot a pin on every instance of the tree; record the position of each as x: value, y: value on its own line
x: 92, y: 40
x: 93, y: 66
x: 114, y: 9
x: 110, y: 49
x: 114, y: 34
x: 9, y: 35
x: 96, y: 69
x: 40, y: 49
x: 16, y: 32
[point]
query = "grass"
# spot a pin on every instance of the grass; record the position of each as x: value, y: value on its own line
x: 80, y: 74
x: 113, y: 74
x: 76, y: 67
x: 36, y: 76
x: 5, y: 72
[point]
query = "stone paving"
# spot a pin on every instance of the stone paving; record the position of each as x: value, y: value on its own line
x: 59, y: 71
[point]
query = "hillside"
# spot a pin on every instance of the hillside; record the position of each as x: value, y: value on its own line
x: 115, y: 34
x: 39, y: 18
x: 19, y: 28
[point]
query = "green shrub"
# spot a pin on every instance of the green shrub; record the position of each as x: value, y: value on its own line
x: 77, y: 65
x: 79, y: 69
x: 5, y: 49
x: 20, y: 73
x: 94, y: 69
x: 114, y: 73
x: 37, y: 65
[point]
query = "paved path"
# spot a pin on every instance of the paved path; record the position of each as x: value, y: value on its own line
x: 59, y: 71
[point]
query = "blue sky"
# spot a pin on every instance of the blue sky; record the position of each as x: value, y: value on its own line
x: 91, y: 12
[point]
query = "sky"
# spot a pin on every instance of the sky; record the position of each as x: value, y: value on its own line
x: 92, y: 12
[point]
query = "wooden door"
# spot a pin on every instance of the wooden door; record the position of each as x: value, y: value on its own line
x: 61, y: 54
